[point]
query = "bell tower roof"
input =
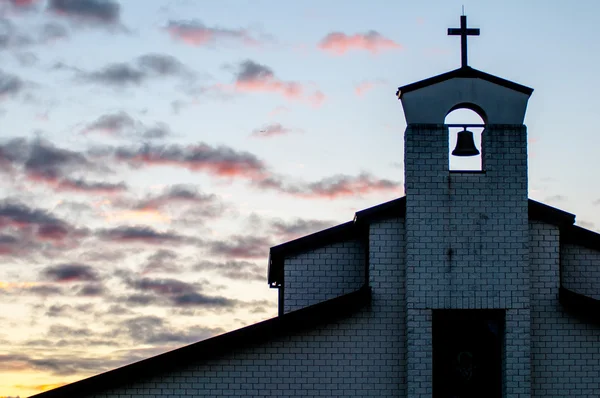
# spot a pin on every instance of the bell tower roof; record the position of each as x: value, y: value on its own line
x: 496, y: 100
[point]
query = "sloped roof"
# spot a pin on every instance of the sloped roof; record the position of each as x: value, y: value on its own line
x: 292, y: 322
x: 358, y: 229
x: 464, y: 72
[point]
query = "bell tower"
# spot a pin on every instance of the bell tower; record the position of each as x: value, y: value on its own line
x: 467, y: 265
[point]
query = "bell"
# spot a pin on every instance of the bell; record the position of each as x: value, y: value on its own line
x: 465, y: 146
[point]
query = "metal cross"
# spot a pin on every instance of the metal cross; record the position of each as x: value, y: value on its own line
x: 463, y: 32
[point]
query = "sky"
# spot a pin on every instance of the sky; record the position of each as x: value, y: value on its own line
x: 152, y: 151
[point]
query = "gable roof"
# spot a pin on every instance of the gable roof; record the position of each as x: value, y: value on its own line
x: 292, y: 322
x: 464, y: 72
x: 358, y: 229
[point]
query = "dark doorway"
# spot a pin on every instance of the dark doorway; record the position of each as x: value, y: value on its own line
x: 467, y: 353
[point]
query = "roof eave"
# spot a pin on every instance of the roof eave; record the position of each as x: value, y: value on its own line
x: 464, y: 72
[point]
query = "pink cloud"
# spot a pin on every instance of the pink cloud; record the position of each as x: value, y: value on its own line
x: 362, y: 88
x: 338, y: 43
x: 195, y: 33
x: 254, y: 77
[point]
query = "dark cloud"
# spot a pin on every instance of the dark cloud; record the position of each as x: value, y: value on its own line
x: 173, y: 292
x: 112, y: 124
x: 119, y: 74
x: 195, y: 33
x: 41, y: 161
x: 158, y: 131
x: 91, y: 290
x: 202, y: 300
x: 271, y: 130
x: 161, y: 261
x: 236, y: 270
x: 331, y: 187
x: 239, y: 246
x: 220, y: 161
x: 10, y: 85
x: 181, y: 195
x: 121, y: 125
x: 70, y: 272
x: 83, y: 186
x: 161, y: 287
x: 162, y: 64
x: 250, y: 71
x: 18, y: 214
x: 66, y: 310
x: 141, y: 234
x: 29, y: 231
x: 44, y: 290
x: 143, y: 68
x: 98, y: 11
x: 298, y: 227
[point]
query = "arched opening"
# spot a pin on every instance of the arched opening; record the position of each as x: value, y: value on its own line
x: 465, y: 114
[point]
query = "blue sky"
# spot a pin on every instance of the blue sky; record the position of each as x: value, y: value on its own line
x: 151, y: 152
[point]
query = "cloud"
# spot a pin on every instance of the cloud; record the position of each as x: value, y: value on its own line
x: 298, y: 227
x: 195, y: 33
x: 271, y: 130
x: 41, y: 161
x: 339, y: 43
x: 10, y: 85
x: 95, y: 11
x: 254, y: 77
x: 173, y: 292
x: 25, y: 232
x: 162, y: 64
x: 161, y: 261
x: 219, y: 161
x: 83, y: 186
x: 19, y: 215
x: 362, y: 88
x: 70, y: 272
x: 22, y: 3
x: 161, y: 287
x: 202, y: 300
x: 122, y: 125
x: 114, y: 124
x: 239, y: 246
x: 118, y: 74
x: 235, y: 270
x: 141, y: 234
x: 182, y: 194
x: 143, y: 68
x: 331, y: 187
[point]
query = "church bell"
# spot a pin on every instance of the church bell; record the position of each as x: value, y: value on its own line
x: 465, y: 146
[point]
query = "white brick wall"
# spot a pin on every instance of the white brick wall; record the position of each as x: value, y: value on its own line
x: 565, y: 352
x: 467, y: 245
x: 581, y: 270
x: 322, y: 274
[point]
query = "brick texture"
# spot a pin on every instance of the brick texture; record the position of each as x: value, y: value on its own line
x: 322, y: 274
x: 565, y: 352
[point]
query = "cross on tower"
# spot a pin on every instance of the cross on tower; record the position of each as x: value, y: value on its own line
x: 463, y: 32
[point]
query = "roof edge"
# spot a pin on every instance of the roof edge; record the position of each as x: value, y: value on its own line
x: 576, y: 235
x: 305, y: 318
x: 463, y: 72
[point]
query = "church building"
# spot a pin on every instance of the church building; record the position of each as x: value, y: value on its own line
x: 462, y: 288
